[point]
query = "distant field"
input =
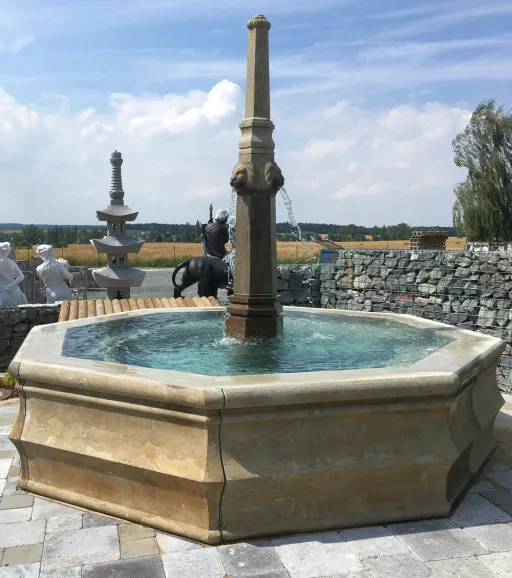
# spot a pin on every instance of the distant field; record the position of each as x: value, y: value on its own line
x: 453, y: 244
x: 170, y: 254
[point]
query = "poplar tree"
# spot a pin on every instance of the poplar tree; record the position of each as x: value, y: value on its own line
x: 483, y: 206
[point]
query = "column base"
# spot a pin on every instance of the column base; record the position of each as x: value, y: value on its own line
x: 252, y: 317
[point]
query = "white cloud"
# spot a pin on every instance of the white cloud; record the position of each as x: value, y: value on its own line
x: 174, y: 114
x: 449, y: 14
x: 424, y: 50
x: 341, y: 163
x: 399, y: 166
x: 16, y: 45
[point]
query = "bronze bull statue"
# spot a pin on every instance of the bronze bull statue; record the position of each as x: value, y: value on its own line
x: 210, y: 274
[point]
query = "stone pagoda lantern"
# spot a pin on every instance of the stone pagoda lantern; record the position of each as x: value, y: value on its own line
x: 117, y: 277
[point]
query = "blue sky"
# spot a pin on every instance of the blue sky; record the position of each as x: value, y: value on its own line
x: 366, y: 97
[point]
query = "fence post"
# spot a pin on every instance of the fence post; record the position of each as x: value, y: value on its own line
x: 86, y: 281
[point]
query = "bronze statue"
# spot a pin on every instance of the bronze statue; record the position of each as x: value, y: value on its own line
x: 215, y: 270
x: 210, y: 274
x: 217, y: 235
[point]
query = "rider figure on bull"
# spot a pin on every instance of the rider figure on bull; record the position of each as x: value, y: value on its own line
x: 216, y: 235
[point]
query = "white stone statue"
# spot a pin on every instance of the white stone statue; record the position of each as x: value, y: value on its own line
x: 54, y: 275
x: 10, y: 278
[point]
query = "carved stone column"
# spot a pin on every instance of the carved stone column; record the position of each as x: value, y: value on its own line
x: 254, y: 309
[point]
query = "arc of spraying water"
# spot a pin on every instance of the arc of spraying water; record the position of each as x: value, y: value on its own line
x: 232, y: 218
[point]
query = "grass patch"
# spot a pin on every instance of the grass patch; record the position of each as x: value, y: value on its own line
x: 7, y: 386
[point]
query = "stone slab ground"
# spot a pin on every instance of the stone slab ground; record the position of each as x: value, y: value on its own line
x: 42, y: 539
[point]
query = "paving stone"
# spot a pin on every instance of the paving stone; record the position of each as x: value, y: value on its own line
x: 16, y: 515
x: 373, y: 541
x: 6, y: 454
x: 500, y: 563
x: 43, y: 509
x: 11, y: 488
x: 313, y: 555
x: 16, y: 460
x: 63, y: 524
x: 3, y: 483
x: 22, y: 534
x: 198, y: 563
x: 460, y: 568
x: 436, y: 540
x: 62, y: 549
x: 5, y: 466
x: 140, y: 548
x: 11, y: 502
x: 250, y: 559
x: 168, y: 543
x: 400, y: 566
x: 6, y: 420
x: 503, y: 478
x: 22, y: 555
x: 95, y: 521
x: 129, y: 532
x: 475, y: 510
x: 63, y: 573
x: 5, y: 429
x: 501, y: 498
x: 20, y: 571
x: 481, y: 486
x: 14, y: 471
x: 139, y: 568
x: 10, y: 408
x: 6, y: 444
x: 497, y: 467
x: 360, y: 574
x: 493, y: 537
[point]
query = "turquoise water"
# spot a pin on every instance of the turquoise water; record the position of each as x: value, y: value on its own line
x: 195, y: 342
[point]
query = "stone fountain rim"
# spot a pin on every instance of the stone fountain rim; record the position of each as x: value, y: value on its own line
x: 39, y: 361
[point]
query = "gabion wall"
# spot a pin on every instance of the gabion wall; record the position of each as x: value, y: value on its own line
x: 16, y: 322
x: 469, y: 290
x: 299, y: 285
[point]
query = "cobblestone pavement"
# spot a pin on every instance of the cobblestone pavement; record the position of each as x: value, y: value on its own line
x: 42, y: 539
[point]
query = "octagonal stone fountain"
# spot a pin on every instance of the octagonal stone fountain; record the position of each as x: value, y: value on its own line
x: 266, y: 423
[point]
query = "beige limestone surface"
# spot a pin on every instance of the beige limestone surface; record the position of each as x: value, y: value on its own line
x: 226, y: 458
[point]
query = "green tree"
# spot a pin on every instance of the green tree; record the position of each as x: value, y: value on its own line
x: 483, y: 206
x: 32, y: 235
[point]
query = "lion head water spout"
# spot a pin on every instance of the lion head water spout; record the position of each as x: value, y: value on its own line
x: 254, y: 309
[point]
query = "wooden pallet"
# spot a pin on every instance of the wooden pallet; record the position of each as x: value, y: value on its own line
x: 72, y: 310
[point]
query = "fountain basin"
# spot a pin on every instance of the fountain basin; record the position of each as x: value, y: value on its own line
x: 222, y: 458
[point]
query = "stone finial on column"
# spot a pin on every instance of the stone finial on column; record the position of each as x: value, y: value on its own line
x: 258, y: 20
x: 116, y: 180
x: 257, y: 91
